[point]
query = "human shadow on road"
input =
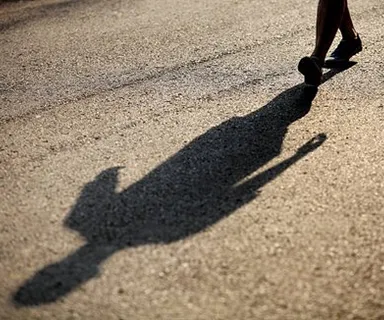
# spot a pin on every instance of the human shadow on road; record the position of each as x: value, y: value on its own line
x: 198, y: 186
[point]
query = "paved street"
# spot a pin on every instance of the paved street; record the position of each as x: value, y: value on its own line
x: 163, y: 160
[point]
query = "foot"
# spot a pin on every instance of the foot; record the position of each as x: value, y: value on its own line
x: 344, y: 51
x: 311, y: 68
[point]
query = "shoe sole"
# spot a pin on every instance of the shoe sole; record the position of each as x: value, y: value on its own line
x: 311, y: 71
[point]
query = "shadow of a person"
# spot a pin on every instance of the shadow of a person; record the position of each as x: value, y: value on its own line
x: 192, y: 190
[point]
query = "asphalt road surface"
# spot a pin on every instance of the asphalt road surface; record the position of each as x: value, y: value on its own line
x: 163, y: 160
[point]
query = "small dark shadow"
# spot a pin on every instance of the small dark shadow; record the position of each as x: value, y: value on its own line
x: 337, y: 68
x: 198, y: 186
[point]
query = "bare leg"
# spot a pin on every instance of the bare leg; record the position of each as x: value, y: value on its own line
x: 346, y: 26
x: 330, y: 14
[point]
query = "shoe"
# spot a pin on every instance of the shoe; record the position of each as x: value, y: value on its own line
x: 311, y: 68
x: 344, y: 51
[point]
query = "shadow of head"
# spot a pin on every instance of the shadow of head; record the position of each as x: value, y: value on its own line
x: 192, y: 190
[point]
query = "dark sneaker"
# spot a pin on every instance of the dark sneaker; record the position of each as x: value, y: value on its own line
x: 311, y: 68
x: 344, y: 51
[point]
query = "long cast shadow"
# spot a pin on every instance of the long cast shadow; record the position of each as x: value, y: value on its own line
x: 198, y: 186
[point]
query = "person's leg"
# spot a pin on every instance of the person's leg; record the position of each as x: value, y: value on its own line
x: 329, y: 17
x: 348, y: 46
x: 347, y: 29
x: 330, y: 14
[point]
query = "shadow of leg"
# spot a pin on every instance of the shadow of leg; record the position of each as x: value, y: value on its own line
x: 337, y: 69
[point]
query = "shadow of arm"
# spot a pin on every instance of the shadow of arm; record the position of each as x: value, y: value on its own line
x: 253, y: 185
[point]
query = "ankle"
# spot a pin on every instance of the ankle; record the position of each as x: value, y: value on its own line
x: 351, y: 35
x: 320, y: 58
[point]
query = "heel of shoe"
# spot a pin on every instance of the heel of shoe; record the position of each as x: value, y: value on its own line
x: 311, y: 69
